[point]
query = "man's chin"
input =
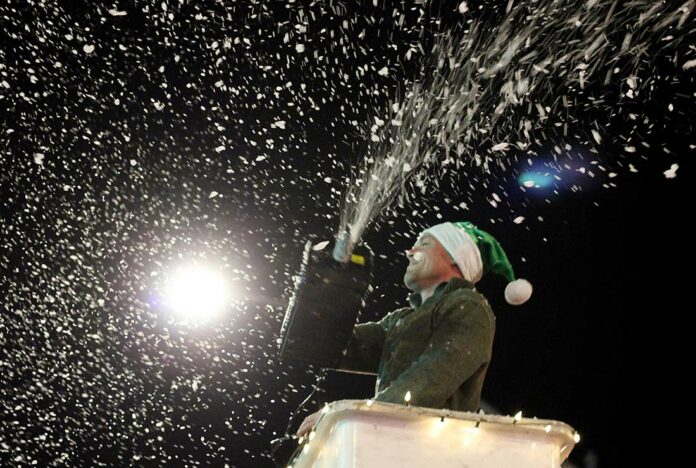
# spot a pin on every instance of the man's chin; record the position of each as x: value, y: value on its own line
x: 410, y: 283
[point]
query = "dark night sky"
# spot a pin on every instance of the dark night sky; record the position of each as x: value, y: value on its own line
x: 109, y: 162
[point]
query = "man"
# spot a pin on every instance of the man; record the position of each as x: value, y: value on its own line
x: 437, y: 350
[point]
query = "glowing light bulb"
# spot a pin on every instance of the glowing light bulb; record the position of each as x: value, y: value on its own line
x: 196, y: 293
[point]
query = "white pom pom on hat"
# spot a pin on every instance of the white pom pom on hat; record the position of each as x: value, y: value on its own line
x: 518, y: 292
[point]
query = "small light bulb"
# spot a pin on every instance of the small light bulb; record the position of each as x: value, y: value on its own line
x: 576, y: 437
x: 518, y: 416
x: 407, y: 398
x: 369, y: 402
x: 312, y: 434
x: 548, y: 428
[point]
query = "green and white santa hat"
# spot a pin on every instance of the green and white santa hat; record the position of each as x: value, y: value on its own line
x: 476, y: 253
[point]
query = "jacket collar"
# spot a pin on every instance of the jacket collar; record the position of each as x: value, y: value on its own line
x: 443, y: 288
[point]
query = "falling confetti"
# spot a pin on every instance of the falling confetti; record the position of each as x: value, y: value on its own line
x: 671, y: 173
x: 138, y: 137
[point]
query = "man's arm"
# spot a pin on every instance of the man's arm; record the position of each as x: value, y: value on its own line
x: 461, y: 343
x: 364, y: 350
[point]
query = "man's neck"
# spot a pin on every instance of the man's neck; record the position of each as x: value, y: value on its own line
x: 428, y: 292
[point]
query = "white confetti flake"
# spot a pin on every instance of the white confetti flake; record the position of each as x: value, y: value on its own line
x: 299, y: 48
x: 690, y: 64
x: 88, y: 48
x: 115, y: 12
x: 384, y: 71
x: 213, y: 194
x: 321, y: 245
x: 597, y: 136
x: 500, y: 147
x: 518, y: 220
x: 671, y: 173
x: 463, y: 8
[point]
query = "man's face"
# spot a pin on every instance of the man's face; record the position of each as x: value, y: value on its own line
x: 428, y: 264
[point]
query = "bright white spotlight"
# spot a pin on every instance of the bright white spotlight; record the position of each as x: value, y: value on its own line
x: 196, y: 293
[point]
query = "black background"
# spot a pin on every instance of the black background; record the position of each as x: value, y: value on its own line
x: 601, y: 345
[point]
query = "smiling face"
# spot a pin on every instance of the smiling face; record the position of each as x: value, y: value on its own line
x: 428, y: 264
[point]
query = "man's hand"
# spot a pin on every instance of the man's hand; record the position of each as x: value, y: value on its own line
x: 308, y: 423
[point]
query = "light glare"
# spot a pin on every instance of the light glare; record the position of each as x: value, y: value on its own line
x: 197, y: 293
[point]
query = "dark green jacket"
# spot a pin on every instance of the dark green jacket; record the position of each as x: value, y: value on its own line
x: 438, y: 350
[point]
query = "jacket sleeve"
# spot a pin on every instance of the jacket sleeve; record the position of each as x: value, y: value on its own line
x: 364, y: 350
x: 460, y: 344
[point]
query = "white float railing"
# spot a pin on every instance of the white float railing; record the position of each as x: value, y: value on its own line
x: 366, y: 433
